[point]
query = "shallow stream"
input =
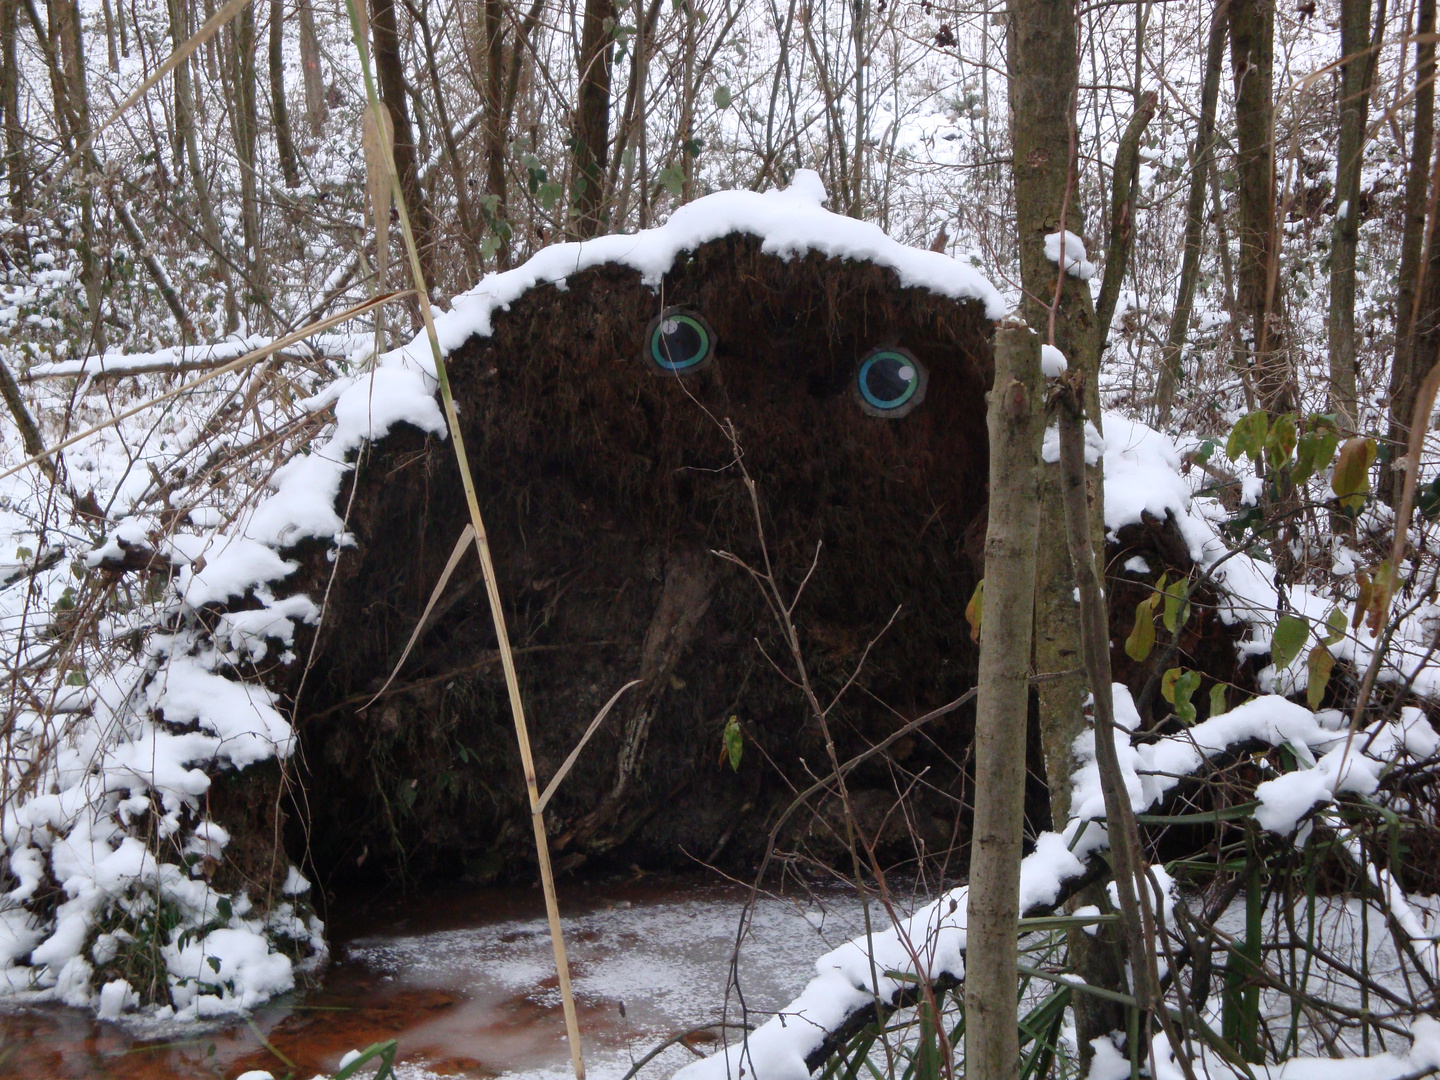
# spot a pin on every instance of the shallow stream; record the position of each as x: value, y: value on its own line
x: 465, y: 980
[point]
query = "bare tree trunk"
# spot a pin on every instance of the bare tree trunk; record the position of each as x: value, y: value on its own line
x: 1202, y: 159
x: 279, y: 115
x: 1043, y: 74
x: 1124, y: 187
x: 185, y: 120
x: 246, y: 124
x: 315, y: 109
x: 65, y: 35
x: 1404, y: 374
x: 390, y: 74
x: 17, y: 166
x: 497, y: 122
x: 592, y: 119
x: 992, y: 1048
x: 112, y: 54
x: 1252, y: 51
x: 1356, y: 73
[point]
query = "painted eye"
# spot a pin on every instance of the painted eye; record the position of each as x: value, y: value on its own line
x: 890, y: 383
x: 678, y: 341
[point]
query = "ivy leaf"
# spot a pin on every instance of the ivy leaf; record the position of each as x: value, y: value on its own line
x: 1280, y: 442
x: 733, y: 743
x: 722, y: 97
x: 672, y: 179
x: 214, y: 962
x: 1319, y: 665
x: 1217, y: 699
x: 1248, y: 436
x: 1177, y: 604
x: 1351, y: 479
x: 1289, y: 639
x: 1337, y: 624
x: 1185, y: 687
x: 975, y: 610
x: 1167, y: 683
x: 1142, y: 638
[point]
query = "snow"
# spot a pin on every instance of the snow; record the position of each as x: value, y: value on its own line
x: 790, y: 223
x: 1052, y: 362
x: 1076, y: 262
x: 937, y: 934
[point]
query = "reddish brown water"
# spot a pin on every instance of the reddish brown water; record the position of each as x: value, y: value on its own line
x: 465, y: 982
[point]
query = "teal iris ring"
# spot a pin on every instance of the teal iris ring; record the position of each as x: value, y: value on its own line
x: 890, y: 383
x: 679, y: 342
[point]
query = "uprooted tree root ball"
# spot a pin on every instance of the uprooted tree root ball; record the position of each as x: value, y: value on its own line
x: 607, y: 486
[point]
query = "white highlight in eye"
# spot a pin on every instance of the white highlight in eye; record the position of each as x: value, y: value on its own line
x: 907, y: 373
x: 669, y: 326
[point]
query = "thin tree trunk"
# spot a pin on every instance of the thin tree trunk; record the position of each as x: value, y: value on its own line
x: 17, y: 167
x: 992, y: 1048
x: 1202, y: 159
x: 468, y: 232
x: 390, y: 74
x: 246, y: 124
x: 315, y: 109
x: 1124, y: 187
x: 279, y: 114
x: 65, y: 34
x: 112, y: 54
x: 1404, y: 375
x: 185, y: 120
x: 1252, y: 51
x: 592, y: 118
x: 1355, y: 78
x: 1041, y: 46
x: 497, y: 123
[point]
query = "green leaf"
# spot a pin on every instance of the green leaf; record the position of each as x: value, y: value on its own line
x: 974, y: 611
x: 1338, y: 623
x: 550, y: 193
x: 407, y: 793
x: 1184, y: 691
x: 1142, y: 638
x: 1351, y: 479
x: 1167, y: 683
x: 1177, y: 604
x: 1280, y: 442
x: 722, y: 97
x: 1289, y: 639
x: 214, y: 962
x: 1248, y: 436
x: 1217, y: 699
x: 733, y: 741
x: 1320, y: 665
x: 24, y: 554
x: 672, y: 179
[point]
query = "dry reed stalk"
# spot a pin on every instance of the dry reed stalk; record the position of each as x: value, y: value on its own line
x: 482, y: 544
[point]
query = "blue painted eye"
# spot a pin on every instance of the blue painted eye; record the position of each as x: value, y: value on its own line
x: 890, y: 383
x: 678, y: 341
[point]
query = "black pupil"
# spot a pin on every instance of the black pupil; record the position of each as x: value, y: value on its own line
x: 679, y: 341
x: 884, y: 380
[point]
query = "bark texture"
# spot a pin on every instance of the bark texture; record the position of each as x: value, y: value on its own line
x: 1015, y: 419
x: 1404, y: 377
x: 1252, y: 58
x: 592, y: 118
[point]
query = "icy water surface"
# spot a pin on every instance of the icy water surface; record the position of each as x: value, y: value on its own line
x: 465, y: 980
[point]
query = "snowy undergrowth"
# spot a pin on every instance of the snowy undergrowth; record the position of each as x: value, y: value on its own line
x: 138, y: 704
